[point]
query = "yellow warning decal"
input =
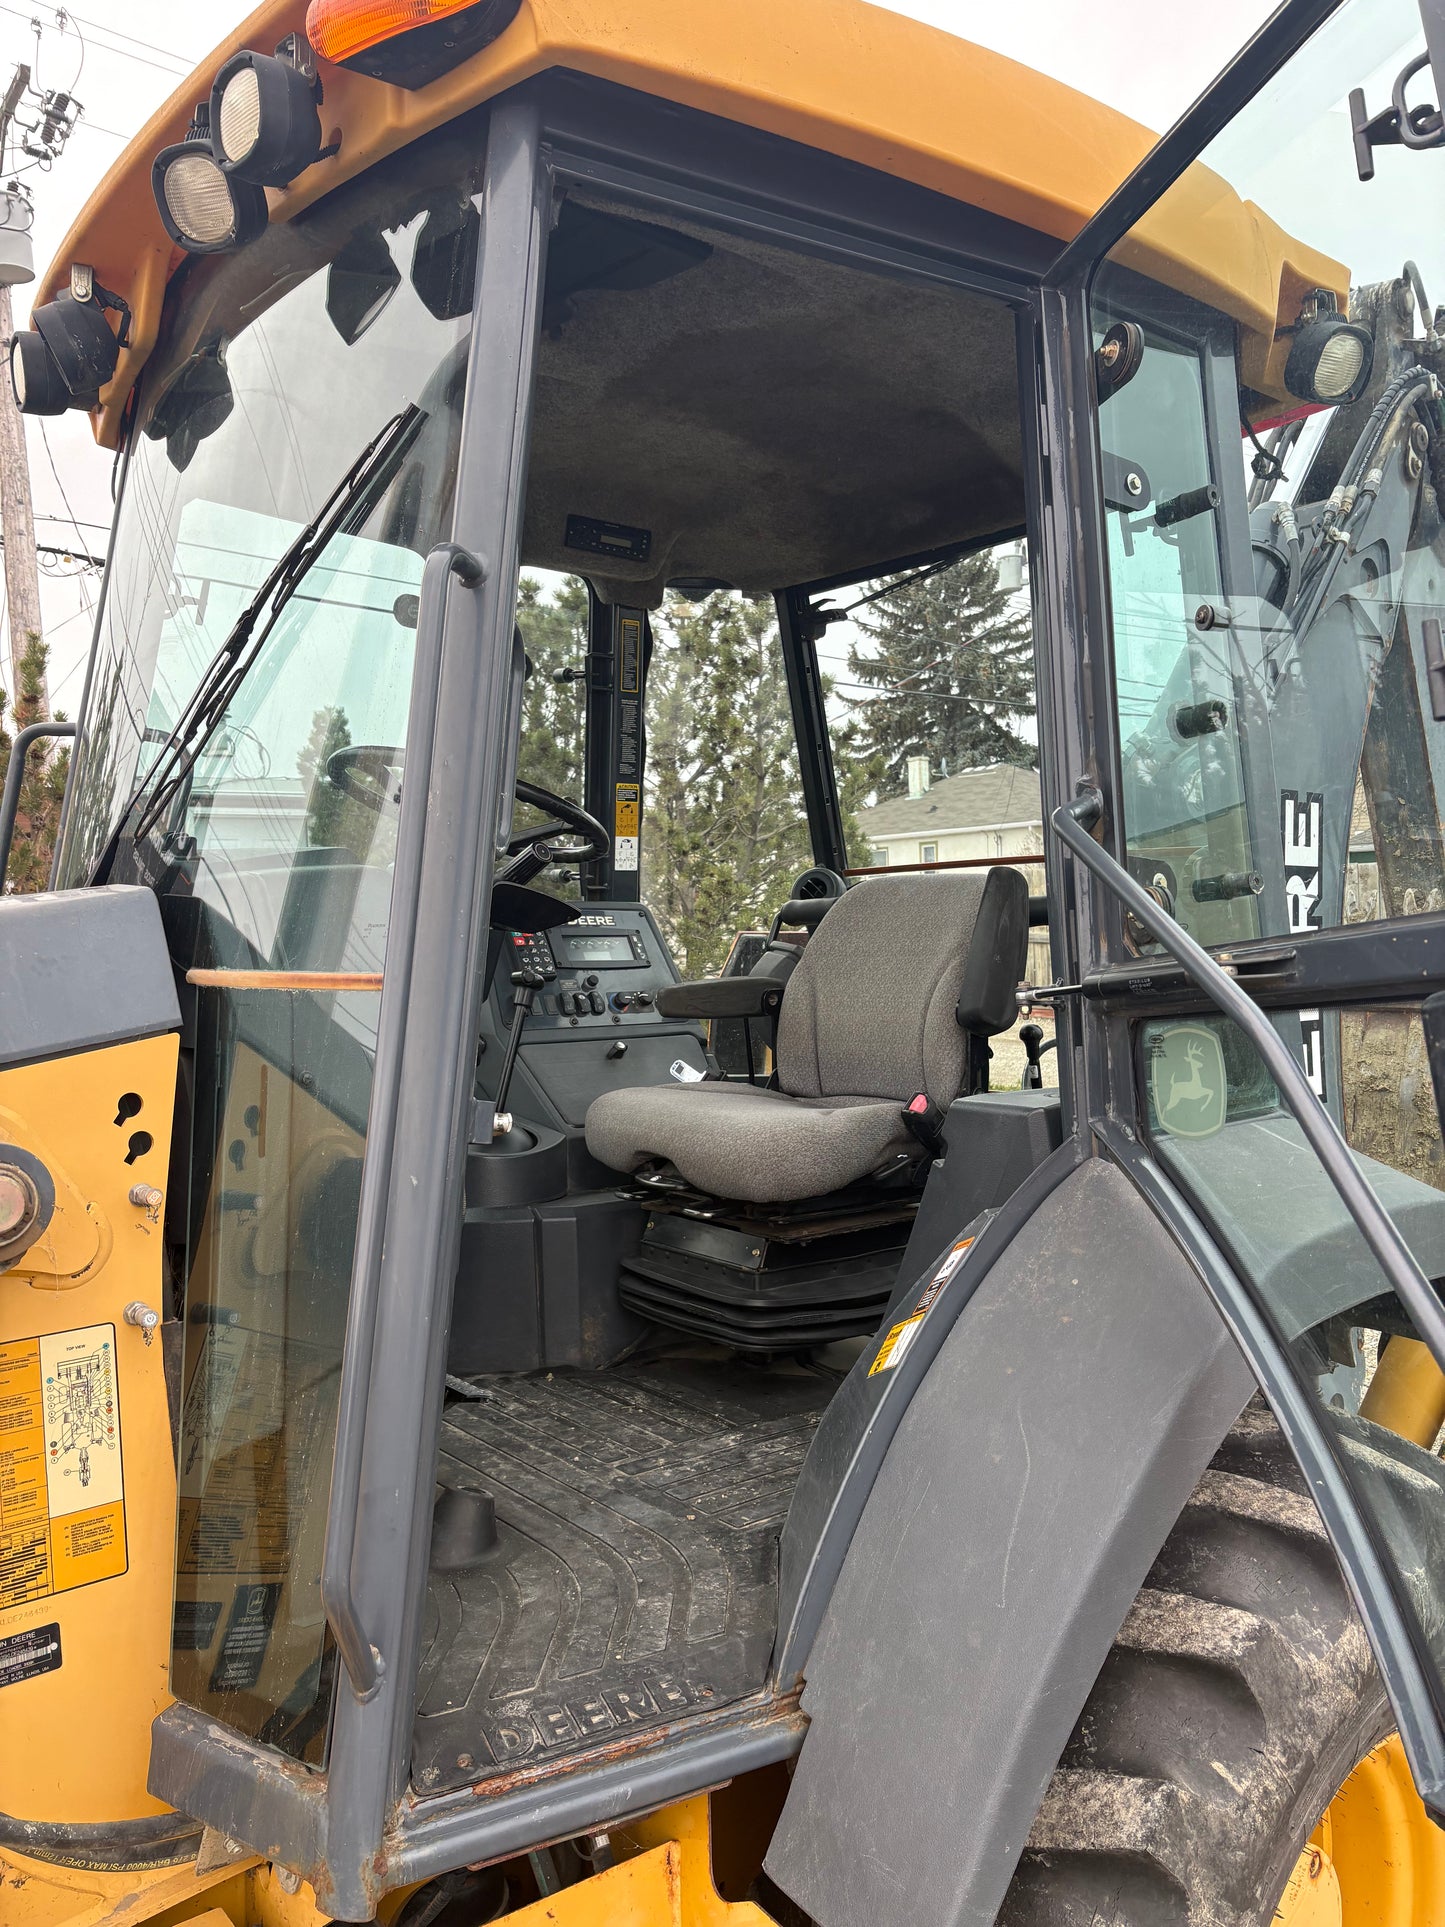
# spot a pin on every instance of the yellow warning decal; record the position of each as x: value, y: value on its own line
x: 62, y: 1497
x: 629, y: 809
x: 896, y: 1344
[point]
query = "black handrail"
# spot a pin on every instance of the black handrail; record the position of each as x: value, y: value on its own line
x: 14, y: 777
x: 1071, y: 823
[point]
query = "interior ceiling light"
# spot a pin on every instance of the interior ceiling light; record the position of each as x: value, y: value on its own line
x: 1330, y: 358
x: 205, y: 210
x: 69, y: 352
x: 408, y: 42
x: 265, y: 127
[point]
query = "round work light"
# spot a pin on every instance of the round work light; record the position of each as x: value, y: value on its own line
x: 66, y: 356
x: 37, y: 382
x: 1330, y: 360
x: 203, y: 210
x: 265, y: 126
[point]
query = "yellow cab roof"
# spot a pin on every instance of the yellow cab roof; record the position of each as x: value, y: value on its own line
x: 839, y: 75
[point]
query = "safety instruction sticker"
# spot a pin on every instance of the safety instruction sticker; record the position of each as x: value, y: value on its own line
x: 629, y: 656
x: 902, y: 1335
x: 891, y: 1351
x: 62, y: 1497
x: 627, y: 826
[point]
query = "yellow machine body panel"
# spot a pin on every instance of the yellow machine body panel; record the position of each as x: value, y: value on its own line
x: 849, y: 79
x: 87, y: 1473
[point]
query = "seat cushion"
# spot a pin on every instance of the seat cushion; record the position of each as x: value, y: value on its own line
x: 736, y: 1141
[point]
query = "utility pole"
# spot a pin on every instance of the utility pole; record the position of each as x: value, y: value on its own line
x: 17, y: 513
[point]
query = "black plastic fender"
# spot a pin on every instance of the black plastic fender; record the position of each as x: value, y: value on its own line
x: 1034, y: 1476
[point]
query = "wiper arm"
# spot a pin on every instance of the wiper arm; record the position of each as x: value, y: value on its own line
x: 347, y: 505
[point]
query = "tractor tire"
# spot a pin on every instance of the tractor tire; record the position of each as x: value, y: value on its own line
x: 1238, y: 1698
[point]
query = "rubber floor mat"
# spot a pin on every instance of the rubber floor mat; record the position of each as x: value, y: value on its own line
x: 635, y: 1575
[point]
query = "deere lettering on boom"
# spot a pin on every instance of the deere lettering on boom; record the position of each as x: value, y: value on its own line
x: 554, y: 1364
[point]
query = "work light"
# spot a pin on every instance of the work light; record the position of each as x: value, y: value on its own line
x: 1330, y: 359
x: 265, y: 126
x: 37, y: 382
x: 203, y: 210
x: 65, y: 358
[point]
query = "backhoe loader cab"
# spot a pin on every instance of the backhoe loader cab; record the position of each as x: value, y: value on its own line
x: 562, y: 1355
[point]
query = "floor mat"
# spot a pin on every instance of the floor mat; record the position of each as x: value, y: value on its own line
x: 635, y: 1574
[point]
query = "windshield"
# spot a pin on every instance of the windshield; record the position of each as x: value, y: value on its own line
x: 276, y: 366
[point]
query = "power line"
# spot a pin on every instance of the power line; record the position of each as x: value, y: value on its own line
x: 49, y: 456
x: 116, y: 34
x: 177, y: 72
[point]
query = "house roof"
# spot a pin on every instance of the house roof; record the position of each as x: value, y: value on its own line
x: 975, y: 799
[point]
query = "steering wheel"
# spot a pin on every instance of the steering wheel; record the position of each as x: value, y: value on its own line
x: 591, y: 839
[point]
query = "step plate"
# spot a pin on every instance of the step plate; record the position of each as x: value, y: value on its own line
x: 636, y: 1573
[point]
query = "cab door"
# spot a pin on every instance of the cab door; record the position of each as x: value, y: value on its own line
x: 1253, y: 339
x: 1241, y: 588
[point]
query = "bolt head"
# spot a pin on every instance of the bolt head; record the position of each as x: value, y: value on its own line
x: 1134, y: 483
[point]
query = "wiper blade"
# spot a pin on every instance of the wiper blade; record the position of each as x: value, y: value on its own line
x: 347, y: 505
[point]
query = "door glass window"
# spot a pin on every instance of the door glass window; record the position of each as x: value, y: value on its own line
x: 274, y: 861
x: 1272, y: 470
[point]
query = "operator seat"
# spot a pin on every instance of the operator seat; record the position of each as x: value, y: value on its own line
x: 893, y: 987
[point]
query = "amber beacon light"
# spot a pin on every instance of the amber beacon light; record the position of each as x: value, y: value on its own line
x: 408, y: 42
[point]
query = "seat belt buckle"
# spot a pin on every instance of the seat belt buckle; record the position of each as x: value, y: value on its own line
x: 924, y: 1120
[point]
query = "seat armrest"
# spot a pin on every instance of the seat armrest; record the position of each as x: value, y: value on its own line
x: 721, y: 997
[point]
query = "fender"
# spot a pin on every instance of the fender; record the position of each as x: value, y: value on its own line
x: 1032, y: 1480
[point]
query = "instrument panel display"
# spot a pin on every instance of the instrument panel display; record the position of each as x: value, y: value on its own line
x: 591, y: 948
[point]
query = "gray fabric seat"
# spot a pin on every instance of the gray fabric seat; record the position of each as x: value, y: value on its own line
x: 898, y: 976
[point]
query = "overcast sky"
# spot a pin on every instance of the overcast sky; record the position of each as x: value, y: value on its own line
x: 124, y: 57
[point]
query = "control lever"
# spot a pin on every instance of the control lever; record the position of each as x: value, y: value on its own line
x: 526, y: 983
x: 1031, y: 1036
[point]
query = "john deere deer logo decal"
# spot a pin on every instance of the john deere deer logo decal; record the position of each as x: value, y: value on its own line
x: 1188, y: 1080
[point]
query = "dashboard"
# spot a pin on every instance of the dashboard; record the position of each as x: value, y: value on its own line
x: 603, y: 970
x: 594, y: 1024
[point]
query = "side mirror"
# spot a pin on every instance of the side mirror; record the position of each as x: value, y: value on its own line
x: 361, y: 281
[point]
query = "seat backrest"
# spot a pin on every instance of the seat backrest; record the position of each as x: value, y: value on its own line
x: 895, y: 978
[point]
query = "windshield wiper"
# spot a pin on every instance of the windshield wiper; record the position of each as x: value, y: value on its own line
x: 345, y: 508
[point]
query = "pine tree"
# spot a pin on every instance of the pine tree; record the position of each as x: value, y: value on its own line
x: 957, y: 666
x: 724, y: 832
x: 554, y: 631
x: 42, y: 789
x: 326, y: 805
